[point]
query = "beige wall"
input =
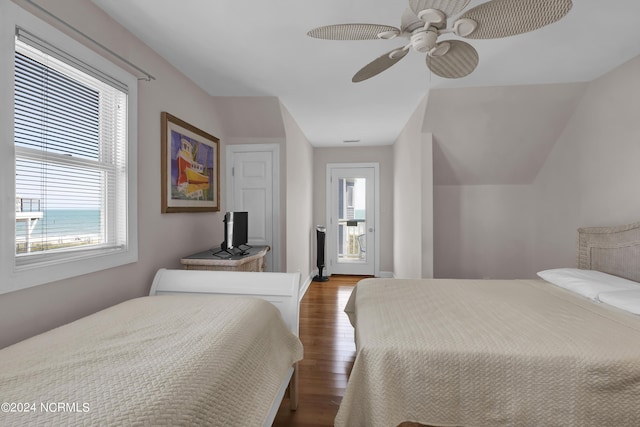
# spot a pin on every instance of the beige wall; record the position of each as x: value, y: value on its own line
x: 483, y: 231
x: 163, y: 238
x: 413, y: 200
x: 299, y: 202
x: 591, y: 177
x: 383, y: 155
x: 426, y: 201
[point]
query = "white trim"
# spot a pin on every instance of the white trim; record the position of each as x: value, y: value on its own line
x: 273, y: 148
x: 11, y: 278
x: 387, y: 275
x: 376, y: 170
x: 304, y: 287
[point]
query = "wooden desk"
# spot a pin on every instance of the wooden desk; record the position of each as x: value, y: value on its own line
x: 254, y: 260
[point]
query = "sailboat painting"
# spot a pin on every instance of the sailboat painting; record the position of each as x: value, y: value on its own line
x: 190, y: 167
x: 189, y: 177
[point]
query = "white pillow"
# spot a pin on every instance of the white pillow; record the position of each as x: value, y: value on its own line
x: 588, y: 283
x: 624, y: 300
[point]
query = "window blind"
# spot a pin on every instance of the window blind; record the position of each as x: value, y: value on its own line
x: 70, y: 142
x: 47, y: 48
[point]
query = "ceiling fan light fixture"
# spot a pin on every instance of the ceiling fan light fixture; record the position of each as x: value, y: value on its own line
x: 464, y: 26
x: 426, y: 20
x: 424, y: 41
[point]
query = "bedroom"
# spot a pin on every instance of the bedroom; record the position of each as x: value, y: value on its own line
x: 585, y: 176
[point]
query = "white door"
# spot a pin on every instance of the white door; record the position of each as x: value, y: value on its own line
x: 351, y: 229
x: 252, y: 186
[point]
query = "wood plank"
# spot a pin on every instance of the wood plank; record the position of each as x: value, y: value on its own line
x: 329, y: 352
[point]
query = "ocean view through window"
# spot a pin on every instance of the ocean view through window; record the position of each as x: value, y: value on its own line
x: 58, y: 228
x: 69, y: 133
x: 71, y: 166
x: 69, y: 169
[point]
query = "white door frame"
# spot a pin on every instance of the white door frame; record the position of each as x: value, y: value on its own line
x: 376, y: 225
x: 275, y: 150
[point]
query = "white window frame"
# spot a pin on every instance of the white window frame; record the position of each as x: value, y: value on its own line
x: 11, y: 277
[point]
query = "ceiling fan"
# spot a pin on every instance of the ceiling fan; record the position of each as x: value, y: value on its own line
x: 424, y: 21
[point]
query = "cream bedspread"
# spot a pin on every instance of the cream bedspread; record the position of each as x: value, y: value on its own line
x: 161, y: 360
x: 489, y: 353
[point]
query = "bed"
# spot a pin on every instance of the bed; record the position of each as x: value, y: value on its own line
x: 502, y: 352
x: 205, y: 348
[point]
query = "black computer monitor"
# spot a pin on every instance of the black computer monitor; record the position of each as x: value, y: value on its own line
x: 236, y: 230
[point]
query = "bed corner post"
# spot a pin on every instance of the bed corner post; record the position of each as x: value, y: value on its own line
x: 293, y: 389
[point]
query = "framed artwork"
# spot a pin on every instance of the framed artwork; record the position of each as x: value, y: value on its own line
x: 190, y: 167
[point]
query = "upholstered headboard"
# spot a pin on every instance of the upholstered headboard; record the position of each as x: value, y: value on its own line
x: 613, y: 250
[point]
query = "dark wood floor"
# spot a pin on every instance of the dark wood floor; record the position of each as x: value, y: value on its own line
x: 329, y: 352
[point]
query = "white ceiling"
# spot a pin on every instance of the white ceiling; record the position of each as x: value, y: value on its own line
x: 254, y: 48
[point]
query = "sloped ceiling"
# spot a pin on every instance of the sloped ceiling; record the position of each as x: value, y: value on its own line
x: 496, y: 135
x: 250, y: 116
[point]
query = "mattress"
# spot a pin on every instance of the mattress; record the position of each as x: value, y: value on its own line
x: 489, y: 353
x: 161, y: 360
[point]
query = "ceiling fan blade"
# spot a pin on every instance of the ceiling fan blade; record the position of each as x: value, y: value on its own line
x: 448, y: 7
x: 410, y: 21
x: 504, y: 18
x: 459, y: 61
x: 352, y: 32
x: 379, y: 64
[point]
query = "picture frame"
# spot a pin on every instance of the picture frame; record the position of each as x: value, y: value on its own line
x: 190, y: 160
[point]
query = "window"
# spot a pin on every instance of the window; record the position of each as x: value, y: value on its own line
x: 74, y: 164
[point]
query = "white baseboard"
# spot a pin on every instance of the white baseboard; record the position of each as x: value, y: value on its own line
x: 387, y: 275
x: 304, y: 287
